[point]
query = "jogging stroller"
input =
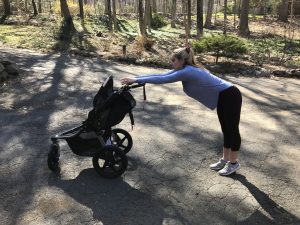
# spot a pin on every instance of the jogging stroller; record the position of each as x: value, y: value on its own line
x: 95, y: 137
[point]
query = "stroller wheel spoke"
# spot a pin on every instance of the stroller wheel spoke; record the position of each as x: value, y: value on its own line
x: 122, y: 141
x: 105, y: 164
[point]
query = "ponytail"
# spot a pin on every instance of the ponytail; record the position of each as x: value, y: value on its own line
x: 187, y: 54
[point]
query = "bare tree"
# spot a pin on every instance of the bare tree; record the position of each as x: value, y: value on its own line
x: 283, y: 11
x: 210, y: 8
x: 234, y: 14
x: 265, y: 9
x: 199, y: 18
x: 225, y: 17
x: 186, y: 27
x: 243, y: 25
x: 141, y: 18
x: 26, y: 5
x: 154, y: 7
x: 81, y: 12
x: 189, y: 17
x: 148, y: 14
x: 35, y: 12
x: 40, y: 6
x: 173, y: 14
x: 109, y: 15
x: 114, y: 15
x: 6, y: 4
x: 66, y: 14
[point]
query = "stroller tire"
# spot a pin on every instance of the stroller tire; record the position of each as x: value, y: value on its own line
x: 53, y: 158
x: 110, y: 162
x: 122, y: 139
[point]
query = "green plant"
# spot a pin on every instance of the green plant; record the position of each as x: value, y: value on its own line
x: 158, y: 21
x: 221, y: 46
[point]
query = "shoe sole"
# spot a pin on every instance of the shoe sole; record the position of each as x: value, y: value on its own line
x: 226, y: 174
x: 216, y: 169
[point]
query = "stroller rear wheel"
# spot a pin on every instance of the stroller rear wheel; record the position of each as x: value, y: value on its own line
x: 53, y: 157
x: 122, y: 139
x: 110, y: 162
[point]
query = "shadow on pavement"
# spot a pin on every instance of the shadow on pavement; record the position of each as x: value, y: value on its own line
x: 278, y: 215
x: 112, y: 201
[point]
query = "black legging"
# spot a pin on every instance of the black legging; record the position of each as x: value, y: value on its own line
x: 229, y: 111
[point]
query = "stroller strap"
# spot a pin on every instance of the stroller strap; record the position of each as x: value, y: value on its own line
x: 131, y: 119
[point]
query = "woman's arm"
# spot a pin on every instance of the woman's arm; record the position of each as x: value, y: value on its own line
x: 170, y: 77
x: 159, y: 74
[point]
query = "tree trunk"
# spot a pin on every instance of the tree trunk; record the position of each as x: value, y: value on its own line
x: 141, y: 18
x: 216, y: 11
x: 26, y: 5
x: 40, y: 6
x: 173, y: 14
x: 108, y: 2
x: 186, y: 28
x: 81, y: 12
x: 234, y: 14
x: 6, y: 4
x: 154, y: 6
x: 265, y: 9
x: 244, y: 26
x: 66, y: 14
x: 114, y: 15
x: 35, y: 12
x: 189, y: 15
x: 225, y: 17
x: 210, y: 8
x: 199, y: 18
x: 106, y: 7
x: 120, y: 6
x: 283, y: 11
x: 239, y: 12
x: 148, y: 14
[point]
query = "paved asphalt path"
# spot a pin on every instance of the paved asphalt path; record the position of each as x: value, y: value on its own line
x: 168, y: 181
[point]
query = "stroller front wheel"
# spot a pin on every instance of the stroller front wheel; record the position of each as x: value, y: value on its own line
x: 110, y: 162
x: 122, y: 139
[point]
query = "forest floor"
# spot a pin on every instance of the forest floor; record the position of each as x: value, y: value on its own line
x: 168, y: 180
x: 44, y: 33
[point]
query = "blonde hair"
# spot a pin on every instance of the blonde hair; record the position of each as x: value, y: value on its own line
x: 185, y: 54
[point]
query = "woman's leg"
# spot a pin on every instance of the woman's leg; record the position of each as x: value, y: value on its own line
x: 232, y: 101
x: 226, y: 153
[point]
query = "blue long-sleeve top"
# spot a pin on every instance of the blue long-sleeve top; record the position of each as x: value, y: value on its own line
x: 197, y: 83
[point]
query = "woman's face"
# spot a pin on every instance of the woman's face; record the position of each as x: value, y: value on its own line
x: 177, y: 63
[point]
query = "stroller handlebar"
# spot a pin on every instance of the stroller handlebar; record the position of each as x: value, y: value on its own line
x: 136, y: 85
x: 128, y: 87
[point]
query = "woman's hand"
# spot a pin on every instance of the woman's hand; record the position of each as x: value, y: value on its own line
x: 127, y: 81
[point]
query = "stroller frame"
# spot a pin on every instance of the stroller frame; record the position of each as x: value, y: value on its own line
x: 109, y: 145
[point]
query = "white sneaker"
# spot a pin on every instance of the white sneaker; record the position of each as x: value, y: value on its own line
x: 229, y: 168
x: 219, y: 165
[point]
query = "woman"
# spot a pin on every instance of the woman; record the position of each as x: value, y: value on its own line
x: 211, y: 91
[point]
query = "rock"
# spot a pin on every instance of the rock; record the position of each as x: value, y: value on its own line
x: 3, y: 76
x: 6, y: 62
x: 295, y: 72
x: 1, y: 67
x: 12, y: 69
x: 281, y: 73
x: 262, y: 72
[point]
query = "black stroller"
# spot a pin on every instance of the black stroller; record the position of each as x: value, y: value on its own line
x: 95, y: 137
